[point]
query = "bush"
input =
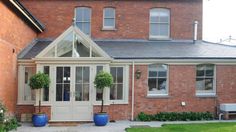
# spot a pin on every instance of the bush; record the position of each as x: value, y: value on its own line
x: 175, y: 116
x: 7, y: 123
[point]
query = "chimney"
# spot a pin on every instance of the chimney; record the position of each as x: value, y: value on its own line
x: 195, y: 31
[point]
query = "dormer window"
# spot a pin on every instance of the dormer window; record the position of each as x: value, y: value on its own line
x: 159, y: 27
x: 109, y: 18
x: 83, y: 19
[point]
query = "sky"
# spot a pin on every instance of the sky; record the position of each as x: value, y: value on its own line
x: 219, y: 19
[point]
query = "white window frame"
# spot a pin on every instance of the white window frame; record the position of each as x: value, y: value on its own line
x: 167, y: 23
x: 21, y: 87
x: 159, y: 94
x: 125, y: 86
x: 75, y: 21
x: 203, y: 93
x: 109, y: 27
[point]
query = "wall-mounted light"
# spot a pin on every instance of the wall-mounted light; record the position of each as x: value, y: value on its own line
x: 138, y: 74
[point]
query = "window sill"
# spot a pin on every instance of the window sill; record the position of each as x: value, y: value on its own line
x: 118, y: 102
x: 159, y: 39
x: 157, y: 96
x: 206, y: 95
x: 108, y: 29
x: 25, y: 103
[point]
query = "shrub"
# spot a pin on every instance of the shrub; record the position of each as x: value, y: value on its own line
x: 7, y: 123
x: 176, y: 116
x: 103, y: 80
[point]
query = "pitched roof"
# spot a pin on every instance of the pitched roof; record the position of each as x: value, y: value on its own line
x: 143, y: 49
x: 25, y: 14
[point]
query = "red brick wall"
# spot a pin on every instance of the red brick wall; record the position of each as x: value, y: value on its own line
x: 182, y: 88
x: 14, y: 35
x: 226, y: 84
x: 132, y: 16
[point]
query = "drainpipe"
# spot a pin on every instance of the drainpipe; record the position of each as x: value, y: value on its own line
x: 132, y: 103
x: 195, y: 31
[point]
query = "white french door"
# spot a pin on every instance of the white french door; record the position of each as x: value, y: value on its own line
x: 72, y: 96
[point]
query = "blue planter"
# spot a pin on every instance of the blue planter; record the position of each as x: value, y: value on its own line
x: 100, y: 119
x: 39, y: 120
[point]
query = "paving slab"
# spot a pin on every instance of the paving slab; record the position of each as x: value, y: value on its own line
x: 118, y: 126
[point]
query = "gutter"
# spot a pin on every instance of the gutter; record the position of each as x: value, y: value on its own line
x: 29, y: 16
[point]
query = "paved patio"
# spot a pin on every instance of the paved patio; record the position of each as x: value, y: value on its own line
x: 118, y: 126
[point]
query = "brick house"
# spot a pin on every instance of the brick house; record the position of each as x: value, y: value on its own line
x: 153, y: 49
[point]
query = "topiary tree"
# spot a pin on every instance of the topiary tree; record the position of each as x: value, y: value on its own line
x: 39, y: 81
x: 103, y: 80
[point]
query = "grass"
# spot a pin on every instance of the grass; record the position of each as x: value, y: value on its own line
x: 207, y: 127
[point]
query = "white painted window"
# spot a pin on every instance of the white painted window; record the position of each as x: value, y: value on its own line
x: 109, y: 18
x: 25, y: 94
x: 157, y: 80
x: 83, y: 19
x: 159, y: 23
x: 119, y: 89
x: 205, y: 79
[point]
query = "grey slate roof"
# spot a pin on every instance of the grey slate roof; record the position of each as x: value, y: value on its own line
x: 143, y: 49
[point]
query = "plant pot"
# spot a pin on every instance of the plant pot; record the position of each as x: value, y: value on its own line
x: 100, y: 119
x: 39, y: 120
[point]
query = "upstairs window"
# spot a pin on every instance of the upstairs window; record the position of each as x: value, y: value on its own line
x: 109, y: 18
x: 159, y: 27
x: 157, y: 80
x: 83, y: 19
x: 205, y: 80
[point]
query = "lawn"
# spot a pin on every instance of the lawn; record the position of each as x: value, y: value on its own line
x: 207, y: 127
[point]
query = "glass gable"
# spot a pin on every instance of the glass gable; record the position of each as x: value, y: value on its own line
x: 72, y: 45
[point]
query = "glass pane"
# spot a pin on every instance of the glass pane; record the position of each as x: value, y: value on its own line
x: 99, y: 68
x: 59, y: 92
x: 66, y: 77
x: 29, y: 94
x: 152, y: 84
x: 162, y: 70
x: 200, y: 84
x: 86, y: 14
x: 208, y: 84
x: 109, y: 13
x: 86, y: 28
x: 78, y: 74
x: 82, y: 51
x: 162, y: 84
x: 59, y: 74
x: 162, y: 29
x: 200, y: 70
x: 66, y: 96
x: 99, y: 94
x: 209, y: 70
x: 85, y: 92
x: 79, y: 25
x: 119, y: 74
x: 108, y: 22
x: 64, y: 47
x: 86, y: 75
x: 79, y: 14
x: 113, y: 92
x: 50, y: 53
x: 78, y: 92
x: 154, y: 29
x: 119, y: 91
x: 46, y: 89
x: 113, y: 73
x: 152, y: 73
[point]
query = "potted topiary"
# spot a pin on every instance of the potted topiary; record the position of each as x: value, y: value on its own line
x: 39, y: 81
x: 102, y: 80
